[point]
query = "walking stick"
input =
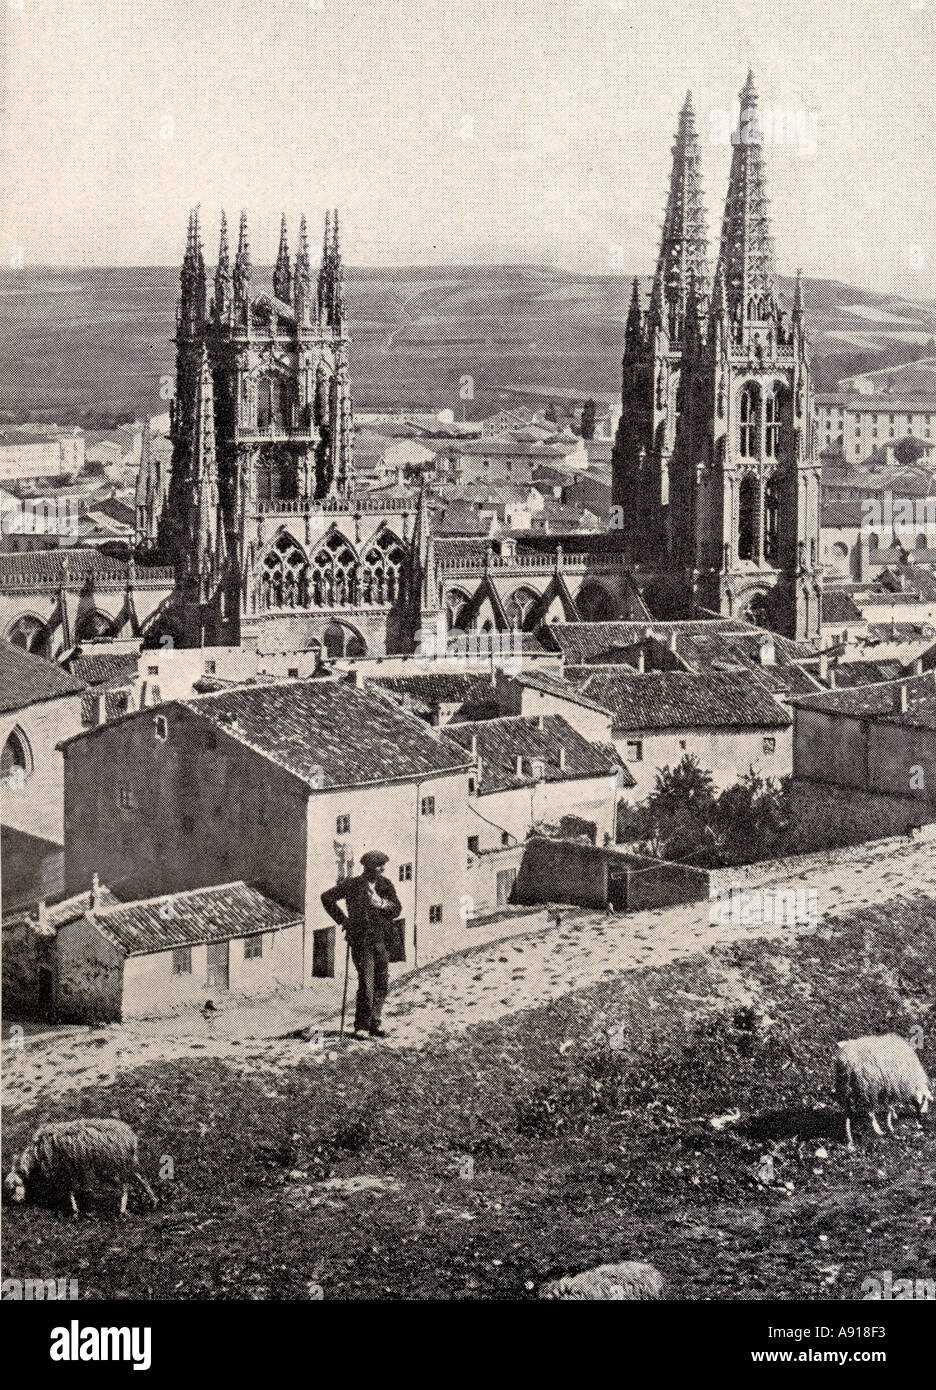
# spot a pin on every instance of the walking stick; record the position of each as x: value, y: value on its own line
x: 344, y: 996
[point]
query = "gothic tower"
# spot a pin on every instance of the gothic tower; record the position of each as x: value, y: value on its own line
x: 744, y: 500
x: 653, y: 349
x: 261, y: 521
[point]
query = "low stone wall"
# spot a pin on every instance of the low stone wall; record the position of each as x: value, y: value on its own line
x: 827, y: 816
x: 26, y: 950
x: 571, y: 872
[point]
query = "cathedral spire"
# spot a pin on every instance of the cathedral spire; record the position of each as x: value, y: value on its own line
x: 192, y: 279
x: 282, y: 275
x: 222, y: 281
x: 242, y: 266
x: 632, y: 332
x: 302, y: 283
x: 684, y: 239
x: 746, y: 255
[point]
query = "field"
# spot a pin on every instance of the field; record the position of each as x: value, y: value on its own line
x: 100, y: 339
x: 477, y: 1166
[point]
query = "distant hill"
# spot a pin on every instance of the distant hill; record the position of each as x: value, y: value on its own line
x: 100, y: 338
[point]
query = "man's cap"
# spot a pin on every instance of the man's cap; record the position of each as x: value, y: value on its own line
x: 374, y: 859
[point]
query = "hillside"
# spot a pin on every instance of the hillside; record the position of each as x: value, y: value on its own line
x: 548, y: 1140
x: 100, y: 339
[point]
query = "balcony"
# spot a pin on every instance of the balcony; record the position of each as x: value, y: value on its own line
x: 272, y: 434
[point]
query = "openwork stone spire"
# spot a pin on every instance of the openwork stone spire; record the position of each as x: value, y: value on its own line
x: 222, y: 281
x: 684, y: 241
x: 242, y: 264
x: 746, y: 256
x: 282, y: 275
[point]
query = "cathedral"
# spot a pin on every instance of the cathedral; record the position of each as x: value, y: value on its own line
x: 715, y: 480
x: 259, y: 518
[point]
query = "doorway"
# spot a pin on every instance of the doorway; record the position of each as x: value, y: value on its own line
x: 218, y: 957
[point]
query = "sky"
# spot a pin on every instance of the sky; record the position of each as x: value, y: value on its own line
x: 453, y: 131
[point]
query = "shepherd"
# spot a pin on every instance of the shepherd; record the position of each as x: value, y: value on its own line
x: 371, y: 904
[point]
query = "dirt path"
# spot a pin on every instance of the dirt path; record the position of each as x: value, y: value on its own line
x: 483, y: 983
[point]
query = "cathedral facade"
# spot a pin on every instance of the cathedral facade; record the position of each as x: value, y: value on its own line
x: 715, y: 474
x: 260, y: 520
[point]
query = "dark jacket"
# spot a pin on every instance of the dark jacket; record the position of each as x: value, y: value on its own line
x: 359, y: 918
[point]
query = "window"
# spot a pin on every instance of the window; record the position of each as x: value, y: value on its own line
x: 634, y: 750
x: 427, y: 806
x: 343, y: 825
x: 209, y: 668
x: 15, y: 761
x: 161, y: 728
x: 472, y: 784
x: 406, y: 873
x: 770, y: 745
x: 473, y: 844
x: 125, y: 799
x: 682, y: 745
x: 293, y: 671
x: 435, y: 912
x: 748, y: 422
x: 253, y: 947
x: 505, y: 837
x: 891, y: 419
x: 182, y: 960
x: 152, y: 670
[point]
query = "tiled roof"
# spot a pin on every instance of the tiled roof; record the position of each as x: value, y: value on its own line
x: 685, y: 700
x: 26, y: 679
x: 852, y: 673
x: 918, y: 578
x: 328, y: 734
x: 502, y: 741
x: 839, y: 608
x: 843, y: 513
x: 103, y: 666
x: 219, y: 913
x: 586, y: 642
x: 448, y: 688
x: 881, y: 702
x: 46, y: 565
x: 555, y: 685
x: 900, y: 632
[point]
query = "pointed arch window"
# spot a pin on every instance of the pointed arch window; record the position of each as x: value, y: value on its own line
x: 285, y: 577
x: 747, y: 440
x: 382, y: 574
x: 772, y: 521
x: 334, y: 573
x: 31, y: 634
x: 747, y: 517
x: 93, y: 625
x: 455, y: 603
x: 15, y: 760
x: 519, y: 607
x: 772, y: 427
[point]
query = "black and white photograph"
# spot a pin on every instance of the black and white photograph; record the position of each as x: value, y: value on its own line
x: 467, y: 671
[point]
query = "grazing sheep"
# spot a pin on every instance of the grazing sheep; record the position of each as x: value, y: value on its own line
x: 65, y: 1157
x: 874, y: 1072
x: 628, y: 1280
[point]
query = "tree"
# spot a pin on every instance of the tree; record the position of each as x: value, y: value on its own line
x: 908, y: 450
x: 588, y: 419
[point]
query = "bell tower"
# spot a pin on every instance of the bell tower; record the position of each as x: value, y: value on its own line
x: 744, y: 515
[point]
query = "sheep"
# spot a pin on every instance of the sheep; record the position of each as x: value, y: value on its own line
x: 879, y: 1071
x: 64, y: 1157
x: 629, y: 1280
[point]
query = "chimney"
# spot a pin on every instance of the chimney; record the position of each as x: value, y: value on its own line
x: 918, y: 666
x: 42, y: 915
x: 823, y: 667
x: 903, y: 697
x: 357, y: 679
x: 672, y: 642
x: 831, y: 677
x: 562, y: 762
x: 518, y: 765
x: 641, y: 661
x: 474, y: 746
x: 95, y: 904
x: 99, y: 707
x: 539, y: 721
